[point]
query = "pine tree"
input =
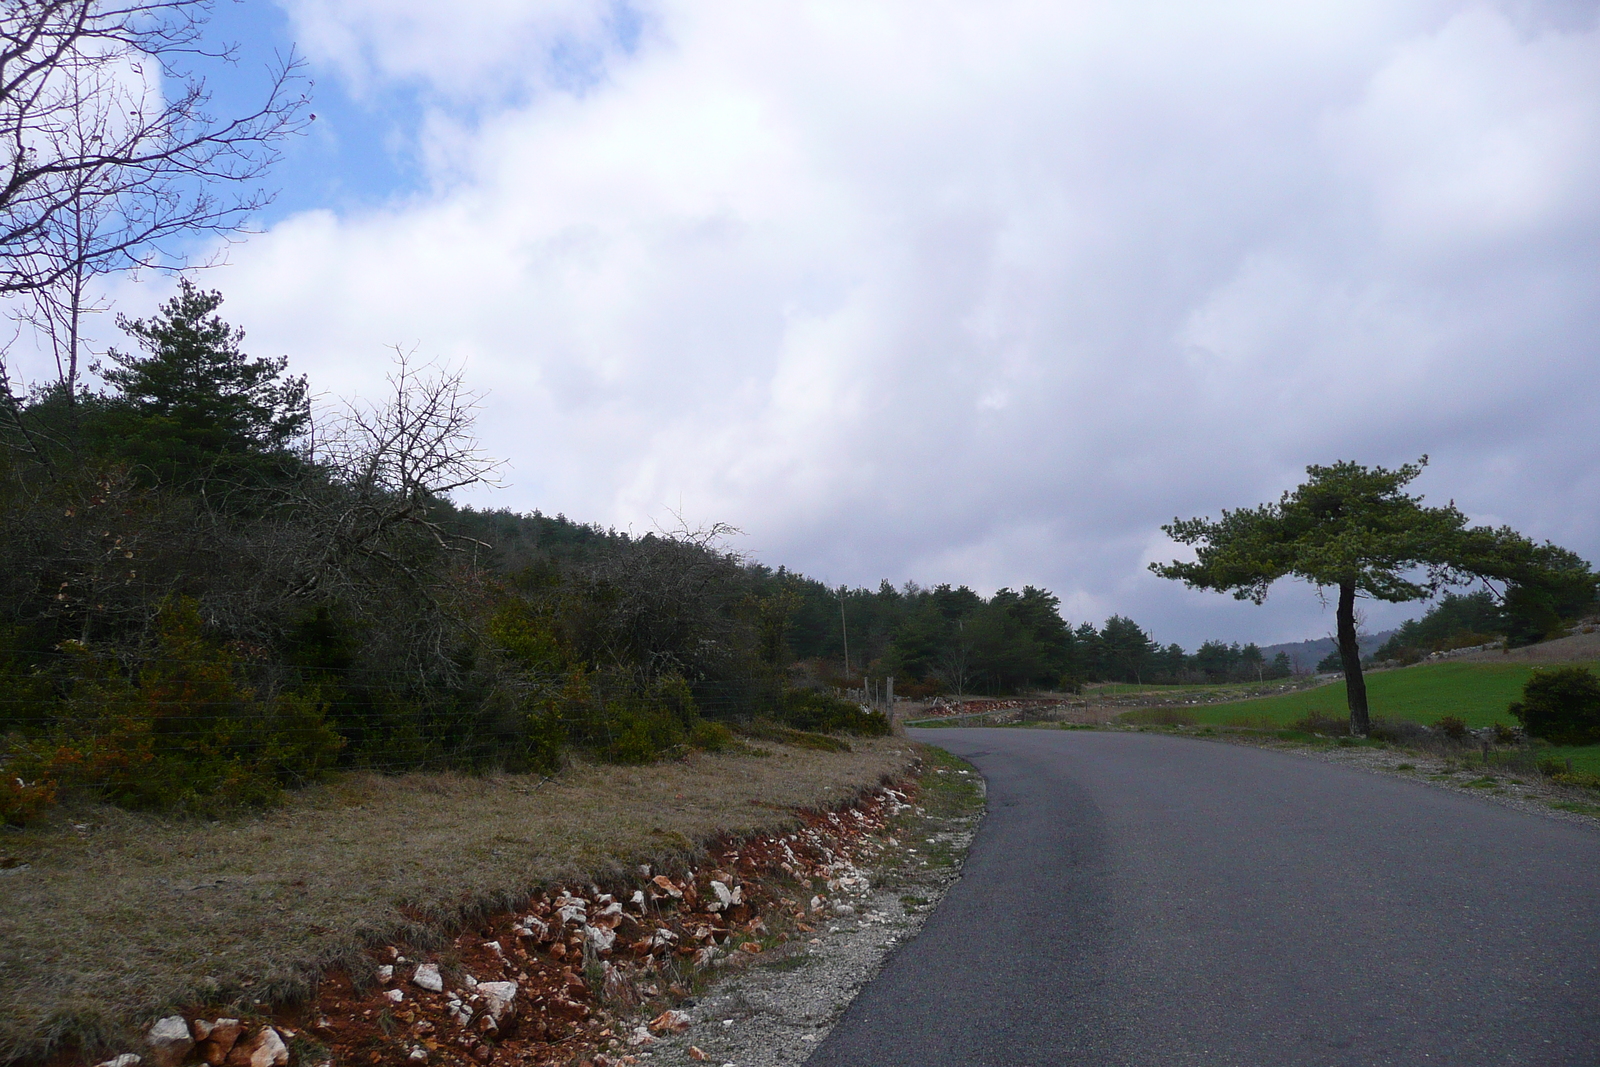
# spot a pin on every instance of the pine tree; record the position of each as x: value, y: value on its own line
x: 193, y: 407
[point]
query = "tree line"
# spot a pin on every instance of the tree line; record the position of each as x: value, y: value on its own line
x: 211, y: 592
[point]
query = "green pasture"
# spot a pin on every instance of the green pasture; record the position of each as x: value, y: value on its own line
x: 1476, y: 693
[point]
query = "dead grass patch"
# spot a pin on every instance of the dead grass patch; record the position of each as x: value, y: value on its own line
x: 118, y: 917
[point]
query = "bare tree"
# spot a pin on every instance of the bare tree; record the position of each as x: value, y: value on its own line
x: 109, y: 151
x: 56, y: 310
x: 388, y: 468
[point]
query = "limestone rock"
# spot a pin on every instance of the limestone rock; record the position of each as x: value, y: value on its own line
x: 262, y: 1049
x: 675, y: 1022
x: 169, y: 1041
x: 217, y: 1039
x: 127, y: 1059
x: 500, y: 1001
x: 427, y: 976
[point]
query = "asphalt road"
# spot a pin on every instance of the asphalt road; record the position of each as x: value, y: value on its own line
x: 1143, y: 900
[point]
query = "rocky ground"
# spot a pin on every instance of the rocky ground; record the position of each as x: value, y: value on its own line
x: 774, y: 1015
x: 745, y: 959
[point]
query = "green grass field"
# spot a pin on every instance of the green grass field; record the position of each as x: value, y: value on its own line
x: 1476, y: 693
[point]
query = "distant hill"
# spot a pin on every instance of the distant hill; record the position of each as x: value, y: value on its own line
x: 1305, y: 655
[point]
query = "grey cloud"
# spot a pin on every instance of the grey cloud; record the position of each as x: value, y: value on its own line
x: 988, y: 299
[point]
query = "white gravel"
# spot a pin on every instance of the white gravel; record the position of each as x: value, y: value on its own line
x: 775, y: 1012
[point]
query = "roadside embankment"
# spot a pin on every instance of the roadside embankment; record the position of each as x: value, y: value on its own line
x: 109, y: 919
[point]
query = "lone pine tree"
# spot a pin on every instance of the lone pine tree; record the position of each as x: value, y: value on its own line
x: 1356, y: 530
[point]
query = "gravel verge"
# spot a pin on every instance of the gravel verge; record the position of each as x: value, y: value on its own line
x: 1530, y: 794
x: 775, y: 1013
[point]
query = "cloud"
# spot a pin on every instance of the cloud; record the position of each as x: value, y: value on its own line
x: 979, y: 292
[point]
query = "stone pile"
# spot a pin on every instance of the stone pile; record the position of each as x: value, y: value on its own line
x: 218, y: 1042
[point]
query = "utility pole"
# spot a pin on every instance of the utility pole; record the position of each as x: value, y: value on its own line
x: 845, y: 633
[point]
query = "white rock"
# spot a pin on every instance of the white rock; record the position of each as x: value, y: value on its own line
x: 394, y: 996
x: 217, y: 1038
x: 169, y: 1040
x: 268, y: 1049
x: 640, y: 1037
x: 671, y: 1021
x: 386, y: 973
x: 600, y: 937
x: 127, y: 1059
x: 418, y: 1055
x: 500, y: 999
x: 637, y: 900
x: 427, y: 977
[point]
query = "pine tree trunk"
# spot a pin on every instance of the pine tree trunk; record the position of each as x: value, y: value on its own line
x: 1355, y: 686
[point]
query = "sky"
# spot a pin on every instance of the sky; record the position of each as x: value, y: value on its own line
x: 970, y: 292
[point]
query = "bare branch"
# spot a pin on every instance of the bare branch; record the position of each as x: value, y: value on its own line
x: 86, y: 133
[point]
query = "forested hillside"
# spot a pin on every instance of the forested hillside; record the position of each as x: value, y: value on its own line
x: 208, y: 594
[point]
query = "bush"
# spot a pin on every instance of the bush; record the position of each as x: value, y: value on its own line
x: 1452, y: 727
x: 183, y: 732
x: 22, y: 802
x: 1561, y: 706
x: 710, y: 737
x: 810, y: 709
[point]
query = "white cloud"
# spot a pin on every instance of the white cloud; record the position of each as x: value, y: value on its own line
x: 980, y: 292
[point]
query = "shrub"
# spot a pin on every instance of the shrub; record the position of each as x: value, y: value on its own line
x: 22, y: 802
x: 183, y: 732
x: 710, y: 736
x: 644, y: 735
x: 1452, y: 727
x: 1504, y: 735
x: 1578, y: 778
x: 1561, y: 706
x: 810, y: 709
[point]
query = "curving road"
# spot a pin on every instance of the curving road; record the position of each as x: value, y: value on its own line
x: 1151, y: 901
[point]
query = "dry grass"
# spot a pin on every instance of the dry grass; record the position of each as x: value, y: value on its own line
x: 120, y: 917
